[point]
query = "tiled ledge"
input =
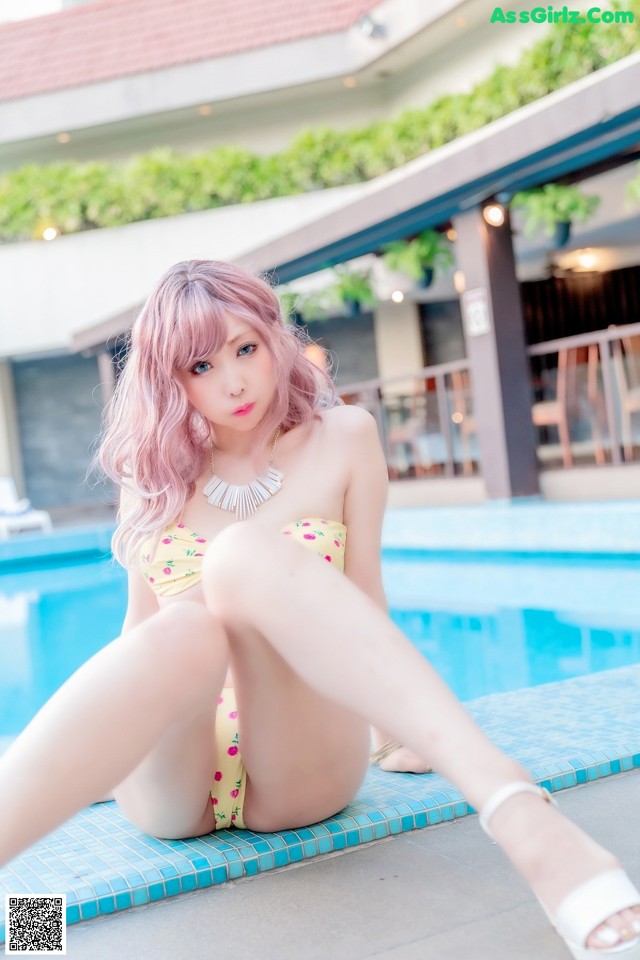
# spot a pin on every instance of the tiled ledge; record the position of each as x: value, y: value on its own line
x: 565, y: 734
x: 523, y: 525
x: 65, y: 542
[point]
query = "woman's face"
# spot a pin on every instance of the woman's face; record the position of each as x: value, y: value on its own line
x: 234, y: 387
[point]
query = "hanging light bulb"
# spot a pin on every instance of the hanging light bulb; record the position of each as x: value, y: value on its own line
x: 493, y: 213
x: 586, y: 259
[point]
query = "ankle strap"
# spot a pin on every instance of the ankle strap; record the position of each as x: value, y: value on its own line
x: 496, y: 800
x: 382, y: 752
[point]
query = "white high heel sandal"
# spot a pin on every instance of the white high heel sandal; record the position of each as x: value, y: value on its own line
x: 590, y: 904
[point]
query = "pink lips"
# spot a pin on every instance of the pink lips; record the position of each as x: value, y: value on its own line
x: 242, y: 411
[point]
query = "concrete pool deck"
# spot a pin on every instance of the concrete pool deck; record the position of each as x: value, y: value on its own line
x: 444, y: 893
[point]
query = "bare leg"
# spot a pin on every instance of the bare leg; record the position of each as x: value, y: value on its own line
x: 106, y: 718
x: 346, y: 648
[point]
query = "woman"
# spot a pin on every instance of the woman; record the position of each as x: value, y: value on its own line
x: 256, y: 647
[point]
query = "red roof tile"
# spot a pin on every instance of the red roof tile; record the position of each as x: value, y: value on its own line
x: 115, y: 38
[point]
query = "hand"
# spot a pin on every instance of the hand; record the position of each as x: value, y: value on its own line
x: 404, y: 760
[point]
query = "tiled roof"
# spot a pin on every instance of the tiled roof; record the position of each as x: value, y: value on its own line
x: 115, y: 38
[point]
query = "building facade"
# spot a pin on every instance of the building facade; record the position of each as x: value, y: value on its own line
x: 107, y: 81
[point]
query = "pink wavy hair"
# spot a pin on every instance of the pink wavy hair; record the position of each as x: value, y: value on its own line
x: 154, y: 441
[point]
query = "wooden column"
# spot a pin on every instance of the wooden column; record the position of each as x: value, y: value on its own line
x: 496, y: 350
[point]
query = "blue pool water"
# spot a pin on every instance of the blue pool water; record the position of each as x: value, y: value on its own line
x: 492, y: 623
x: 487, y: 622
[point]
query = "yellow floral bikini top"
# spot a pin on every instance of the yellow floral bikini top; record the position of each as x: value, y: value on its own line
x: 177, y: 562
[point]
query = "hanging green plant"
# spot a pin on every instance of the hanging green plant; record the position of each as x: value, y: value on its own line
x: 420, y: 257
x: 352, y: 289
x: 553, y: 206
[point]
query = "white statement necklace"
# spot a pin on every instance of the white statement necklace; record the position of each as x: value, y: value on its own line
x: 244, y: 498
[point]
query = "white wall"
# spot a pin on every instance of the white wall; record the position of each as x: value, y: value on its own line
x: 52, y: 290
x: 398, y: 346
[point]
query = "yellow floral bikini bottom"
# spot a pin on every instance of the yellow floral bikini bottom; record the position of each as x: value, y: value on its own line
x: 230, y: 779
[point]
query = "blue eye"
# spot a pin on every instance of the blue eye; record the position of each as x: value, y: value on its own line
x: 254, y: 347
x: 196, y: 368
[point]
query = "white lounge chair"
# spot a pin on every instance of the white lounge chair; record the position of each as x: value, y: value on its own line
x: 17, y: 516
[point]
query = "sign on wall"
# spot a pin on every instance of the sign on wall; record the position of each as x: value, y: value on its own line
x: 475, y: 312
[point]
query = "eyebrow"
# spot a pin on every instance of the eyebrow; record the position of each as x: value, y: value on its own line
x: 244, y: 333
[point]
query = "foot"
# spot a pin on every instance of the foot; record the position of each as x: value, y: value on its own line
x: 620, y: 928
x: 556, y: 857
x: 404, y: 760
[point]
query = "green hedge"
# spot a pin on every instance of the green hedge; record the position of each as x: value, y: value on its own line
x: 162, y: 183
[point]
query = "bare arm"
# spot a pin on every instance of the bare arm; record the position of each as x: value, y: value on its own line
x: 142, y: 603
x: 365, y: 503
x: 141, y: 600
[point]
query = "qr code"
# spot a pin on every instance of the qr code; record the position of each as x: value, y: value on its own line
x: 36, y: 925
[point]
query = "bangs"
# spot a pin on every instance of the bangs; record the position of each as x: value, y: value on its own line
x: 199, y: 329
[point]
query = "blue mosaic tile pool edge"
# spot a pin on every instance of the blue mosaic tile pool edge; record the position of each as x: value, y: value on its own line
x: 66, y: 542
x: 565, y: 733
x: 524, y: 524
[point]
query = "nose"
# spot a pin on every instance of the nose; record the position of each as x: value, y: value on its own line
x: 234, y: 384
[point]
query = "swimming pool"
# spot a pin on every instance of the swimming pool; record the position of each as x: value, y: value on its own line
x: 489, y: 622
x: 494, y: 622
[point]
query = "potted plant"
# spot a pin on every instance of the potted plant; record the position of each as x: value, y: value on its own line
x: 352, y: 289
x: 419, y: 257
x: 555, y: 206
